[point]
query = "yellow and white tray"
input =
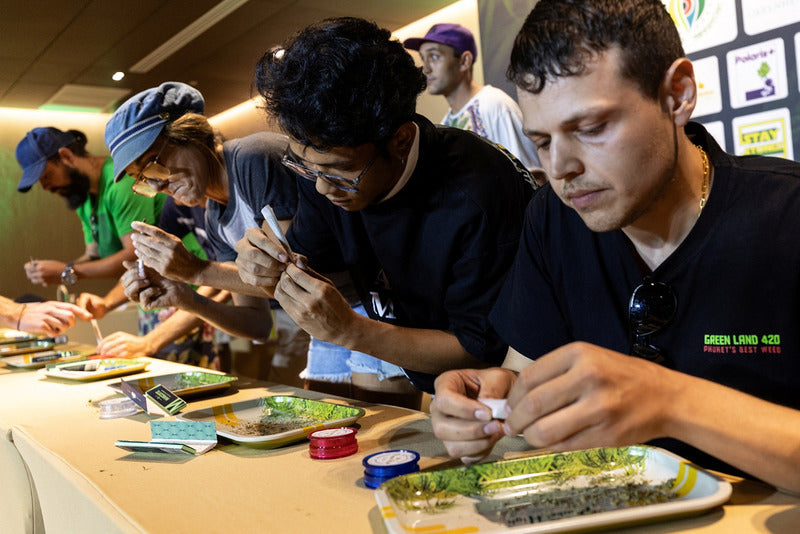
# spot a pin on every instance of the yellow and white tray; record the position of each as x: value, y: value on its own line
x: 532, y: 494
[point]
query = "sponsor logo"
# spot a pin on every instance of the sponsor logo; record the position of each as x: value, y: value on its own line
x: 742, y: 343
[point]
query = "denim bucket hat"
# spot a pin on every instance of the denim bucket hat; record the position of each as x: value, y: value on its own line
x: 136, y: 124
x: 33, y: 151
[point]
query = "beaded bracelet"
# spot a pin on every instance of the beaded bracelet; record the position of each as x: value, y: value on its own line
x: 19, y: 319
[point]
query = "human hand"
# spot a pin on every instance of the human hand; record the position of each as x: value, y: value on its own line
x: 315, y: 304
x: 50, y: 318
x: 463, y: 423
x: 165, y: 253
x: 261, y: 259
x: 44, y: 272
x: 581, y: 396
x: 124, y: 345
x: 152, y: 290
x: 94, y: 304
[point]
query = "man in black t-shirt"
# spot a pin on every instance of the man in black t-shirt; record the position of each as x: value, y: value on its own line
x: 425, y: 219
x: 656, y: 282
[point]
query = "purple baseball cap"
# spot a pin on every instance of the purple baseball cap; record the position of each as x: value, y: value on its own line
x: 449, y: 34
x: 33, y: 151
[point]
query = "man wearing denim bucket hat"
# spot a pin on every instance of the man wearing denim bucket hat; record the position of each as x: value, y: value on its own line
x: 448, y: 54
x: 161, y: 138
x: 59, y: 161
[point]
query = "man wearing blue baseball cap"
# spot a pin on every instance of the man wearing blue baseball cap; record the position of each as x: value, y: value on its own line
x: 448, y: 53
x: 59, y: 161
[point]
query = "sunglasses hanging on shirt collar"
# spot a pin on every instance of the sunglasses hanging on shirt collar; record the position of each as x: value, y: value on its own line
x: 651, y: 307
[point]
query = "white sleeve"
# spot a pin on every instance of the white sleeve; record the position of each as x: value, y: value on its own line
x: 504, y: 123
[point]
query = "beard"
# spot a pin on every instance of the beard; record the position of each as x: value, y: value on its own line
x: 77, y: 191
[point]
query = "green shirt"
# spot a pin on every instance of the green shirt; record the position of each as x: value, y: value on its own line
x: 108, y: 216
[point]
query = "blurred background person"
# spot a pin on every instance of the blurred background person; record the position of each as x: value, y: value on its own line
x: 448, y: 54
x: 60, y: 163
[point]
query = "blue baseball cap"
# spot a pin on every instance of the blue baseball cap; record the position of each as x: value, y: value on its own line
x: 33, y: 151
x: 136, y: 124
x: 449, y: 34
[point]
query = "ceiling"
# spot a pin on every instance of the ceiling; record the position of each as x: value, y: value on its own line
x: 65, y: 51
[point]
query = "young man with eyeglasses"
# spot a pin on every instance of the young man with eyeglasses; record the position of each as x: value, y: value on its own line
x: 425, y: 219
x: 60, y: 163
x: 648, y: 245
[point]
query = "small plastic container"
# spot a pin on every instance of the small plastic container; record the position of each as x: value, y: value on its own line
x: 381, y: 466
x: 117, y: 407
x: 332, y: 443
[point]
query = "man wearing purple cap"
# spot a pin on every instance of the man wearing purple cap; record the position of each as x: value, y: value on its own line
x: 448, y: 55
x: 60, y: 163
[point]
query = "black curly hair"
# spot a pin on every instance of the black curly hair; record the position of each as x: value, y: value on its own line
x: 559, y: 36
x: 340, y: 82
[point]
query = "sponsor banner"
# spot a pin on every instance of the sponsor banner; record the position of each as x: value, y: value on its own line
x: 703, y: 23
x: 768, y: 133
x: 757, y: 73
x: 763, y: 15
x: 709, y: 91
x: 797, y: 58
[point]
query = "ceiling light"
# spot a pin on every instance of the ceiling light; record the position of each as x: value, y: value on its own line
x: 186, y: 35
x: 117, y: 76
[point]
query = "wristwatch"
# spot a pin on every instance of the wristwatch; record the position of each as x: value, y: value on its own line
x: 69, y: 276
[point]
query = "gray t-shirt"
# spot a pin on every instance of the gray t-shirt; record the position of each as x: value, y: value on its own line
x: 256, y: 177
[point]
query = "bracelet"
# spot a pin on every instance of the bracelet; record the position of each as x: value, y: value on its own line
x: 19, y: 319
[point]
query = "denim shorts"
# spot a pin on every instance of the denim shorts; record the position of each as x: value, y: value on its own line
x: 334, y: 363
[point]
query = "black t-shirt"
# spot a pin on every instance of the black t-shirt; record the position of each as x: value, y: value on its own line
x: 735, y: 276
x: 435, y: 254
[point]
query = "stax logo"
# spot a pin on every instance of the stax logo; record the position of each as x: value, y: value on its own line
x: 382, y: 305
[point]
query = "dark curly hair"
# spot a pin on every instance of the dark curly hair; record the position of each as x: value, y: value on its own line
x: 560, y: 36
x: 340, y: 82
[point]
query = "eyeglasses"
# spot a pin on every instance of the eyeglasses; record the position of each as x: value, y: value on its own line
x: 651, y: 308
x: 343, y: 184
x: 153, y: 177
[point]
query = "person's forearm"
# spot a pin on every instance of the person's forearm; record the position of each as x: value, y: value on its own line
x: 241, y: 321
x: 756, y: 436
x: 115, y: 297
x: 108, y: 267
x: 224, y: 275
x: 178, y: 324
x: 9, y: 312
x: 417, y: 349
